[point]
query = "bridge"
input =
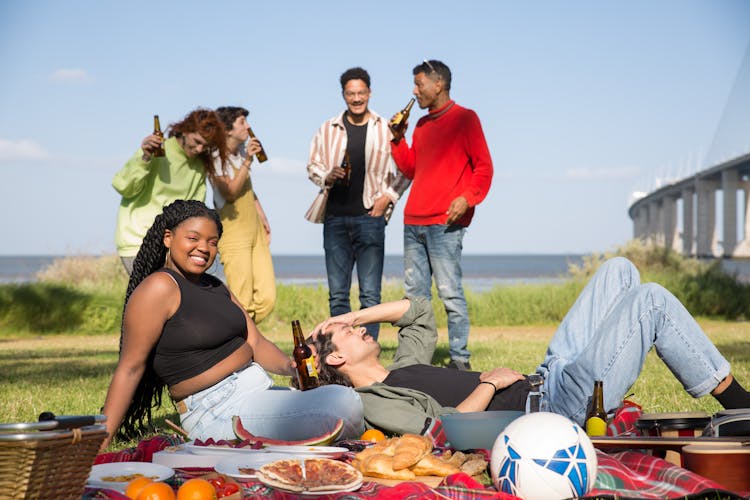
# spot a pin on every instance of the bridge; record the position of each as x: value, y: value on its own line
x: 704, y: 215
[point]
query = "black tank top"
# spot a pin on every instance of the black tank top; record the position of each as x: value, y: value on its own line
x: 206, y: 328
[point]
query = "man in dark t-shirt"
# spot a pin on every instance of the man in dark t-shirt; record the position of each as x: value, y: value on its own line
x: 605, y: 336
x: 350, y: 160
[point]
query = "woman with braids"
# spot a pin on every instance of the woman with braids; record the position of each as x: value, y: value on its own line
x: 148, y: 182
x: 183, y: 329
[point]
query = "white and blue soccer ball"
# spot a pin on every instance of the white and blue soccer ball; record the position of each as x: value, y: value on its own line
x: 543, y: 456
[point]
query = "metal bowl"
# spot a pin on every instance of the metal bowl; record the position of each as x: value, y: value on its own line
x: 473, y: 430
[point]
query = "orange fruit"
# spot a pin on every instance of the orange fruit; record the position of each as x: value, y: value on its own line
x: 157, y: 491
x: 373, y: 435
x: 196, y: 489
x: 135, y: 486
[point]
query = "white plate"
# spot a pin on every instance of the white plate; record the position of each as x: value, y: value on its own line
x: 231, y: 465
x: 353, y: 487
x: 219, y: 450
x: 158, y: 472
x: 309, y: 451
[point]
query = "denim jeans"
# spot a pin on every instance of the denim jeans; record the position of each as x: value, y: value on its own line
x: 274, y: 412
x: 607, y: 334
x: 348, y: 240
x: 435, y: 250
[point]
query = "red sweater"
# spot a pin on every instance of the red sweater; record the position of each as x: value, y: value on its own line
x: 448, y: 158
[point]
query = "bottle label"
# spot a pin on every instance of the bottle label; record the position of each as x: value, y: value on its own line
x: 596, y: 426
x: 310, y: 365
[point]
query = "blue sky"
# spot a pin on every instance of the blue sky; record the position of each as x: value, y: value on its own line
x: 582, y: 103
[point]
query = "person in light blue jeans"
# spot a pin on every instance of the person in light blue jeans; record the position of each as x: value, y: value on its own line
x: 435, y: 250
x: 268, y: 410
x: 605, y: 336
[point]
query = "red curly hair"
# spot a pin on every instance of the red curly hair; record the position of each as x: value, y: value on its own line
x: 206, y: 123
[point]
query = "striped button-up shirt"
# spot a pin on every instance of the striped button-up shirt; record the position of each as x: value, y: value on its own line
x: 327, y: 150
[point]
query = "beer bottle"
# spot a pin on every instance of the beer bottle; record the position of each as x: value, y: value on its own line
x: 157, y: 131
x: 596, y: 417
x: 303, y: 357
x: 347, y: 166
x: 260, y: 155
x: 398, y: 122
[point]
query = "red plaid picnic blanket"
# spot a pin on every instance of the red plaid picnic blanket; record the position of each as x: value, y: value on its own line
x: 623, y: 475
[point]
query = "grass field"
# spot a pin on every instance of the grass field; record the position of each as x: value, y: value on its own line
x: 69, y: 374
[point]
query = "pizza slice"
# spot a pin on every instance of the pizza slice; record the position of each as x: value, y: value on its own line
x: 283, y: 474
x: 319, y: 474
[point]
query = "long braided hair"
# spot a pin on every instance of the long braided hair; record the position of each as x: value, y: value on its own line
x: 150, y: 259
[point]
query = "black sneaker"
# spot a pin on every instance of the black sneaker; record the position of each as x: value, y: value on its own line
x: 457, y: 364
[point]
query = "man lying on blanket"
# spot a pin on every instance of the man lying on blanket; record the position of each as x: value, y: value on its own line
x: 605, y: 336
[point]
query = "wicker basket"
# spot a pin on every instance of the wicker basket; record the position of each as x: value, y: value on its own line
x: 37, y: 460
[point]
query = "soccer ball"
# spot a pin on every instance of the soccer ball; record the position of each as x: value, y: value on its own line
x: 543, y: 456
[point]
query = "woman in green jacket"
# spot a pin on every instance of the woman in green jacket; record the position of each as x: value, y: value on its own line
x: 149, y: 182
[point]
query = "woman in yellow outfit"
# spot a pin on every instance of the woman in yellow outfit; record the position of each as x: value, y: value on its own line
x: 244, y: 247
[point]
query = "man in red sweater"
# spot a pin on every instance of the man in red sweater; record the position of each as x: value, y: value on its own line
x: 451, y: 168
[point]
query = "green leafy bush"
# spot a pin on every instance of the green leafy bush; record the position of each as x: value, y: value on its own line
x: 84, y: 295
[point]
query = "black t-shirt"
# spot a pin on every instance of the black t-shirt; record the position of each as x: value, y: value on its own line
x: 450, y: 387
x: 347, y: 200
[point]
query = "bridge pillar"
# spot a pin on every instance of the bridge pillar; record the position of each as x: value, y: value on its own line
x: 687, y: 222
x: 743, y: 247
x: 729, y: 182
x: 640, y: 223
x: 669, y: 222
x: 654, y: 223
x: 706, y: 217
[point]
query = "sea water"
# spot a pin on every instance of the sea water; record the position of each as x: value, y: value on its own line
x: 480, y: 272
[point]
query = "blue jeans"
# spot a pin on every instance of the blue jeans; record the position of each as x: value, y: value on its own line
x: 348, y: 240
x: 274, y: 412
x: 435, y: 250
x: 607, y: 334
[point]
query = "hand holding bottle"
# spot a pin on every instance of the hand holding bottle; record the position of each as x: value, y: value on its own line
x: 340, y: 174
x: 261, y: 155
x: 400, y: 122
x: 335, y: 174
x: 253, y: 147
x: 151, y: 145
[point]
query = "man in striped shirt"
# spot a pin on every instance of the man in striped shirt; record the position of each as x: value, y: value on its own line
x: 354, y: 204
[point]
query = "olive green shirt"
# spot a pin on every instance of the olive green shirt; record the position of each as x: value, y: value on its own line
x: 400, y: 410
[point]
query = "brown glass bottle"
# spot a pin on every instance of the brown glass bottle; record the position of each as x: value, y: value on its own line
x: 303, y: 357
x: 596, y: 417
x: 398, y: 122
x: 157, y: 131
x: 260, y: 155
x: 347, y: 166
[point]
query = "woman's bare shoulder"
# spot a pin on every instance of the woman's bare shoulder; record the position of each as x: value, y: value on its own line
x: 156, y: 288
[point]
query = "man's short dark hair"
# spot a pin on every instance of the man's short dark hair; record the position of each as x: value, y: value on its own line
x: 435, y: 70
x: 228, y: 115
x: 327, y: 374
x: 355, y: 74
